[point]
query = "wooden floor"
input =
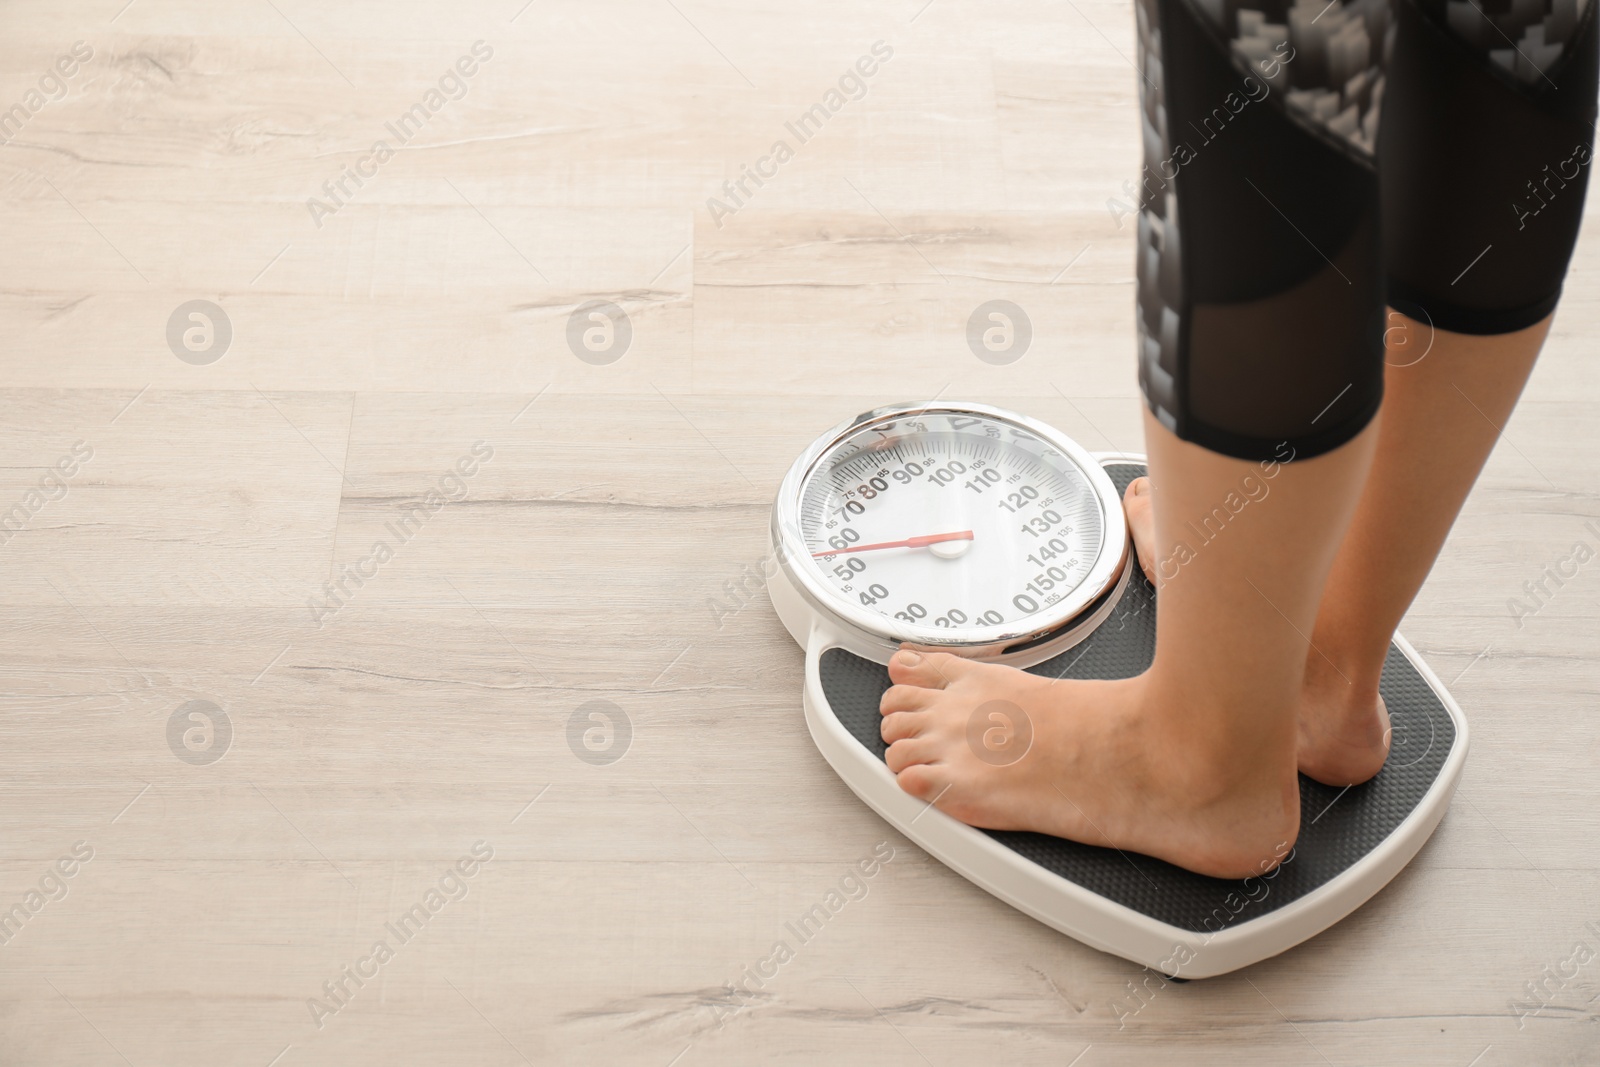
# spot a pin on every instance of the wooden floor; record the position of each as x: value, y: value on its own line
x: 602, y: 546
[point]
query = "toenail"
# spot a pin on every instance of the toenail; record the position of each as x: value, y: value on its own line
x: 909, y: 658
x: 1141, y: 487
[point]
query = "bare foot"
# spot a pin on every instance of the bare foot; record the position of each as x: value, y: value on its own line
x: 1094, y: 761
x: 1344, y: 729
x: 1344, y: 732
x: 1138, y: 505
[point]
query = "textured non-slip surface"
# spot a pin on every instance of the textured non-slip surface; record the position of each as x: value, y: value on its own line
x: 1337, y: 828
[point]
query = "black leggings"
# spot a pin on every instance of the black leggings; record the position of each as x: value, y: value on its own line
x: 1278, y: 216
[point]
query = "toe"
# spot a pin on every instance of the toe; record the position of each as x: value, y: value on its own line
x: 925, y: 781
x: 930, y: 670
x: 901, y: 725
x: 904, y: 698
x: 910, y: 752
x: 1137, y: 502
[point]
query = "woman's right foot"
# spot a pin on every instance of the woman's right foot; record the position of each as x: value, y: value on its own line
x: 1344, y: 729
x: 1344, y: 732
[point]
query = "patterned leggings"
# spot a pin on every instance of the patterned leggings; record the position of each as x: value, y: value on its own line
x: 1309, y: 166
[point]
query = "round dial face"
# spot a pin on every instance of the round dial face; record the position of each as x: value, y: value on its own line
x: 952, y: 521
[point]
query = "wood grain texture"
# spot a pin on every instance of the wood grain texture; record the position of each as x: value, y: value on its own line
x: 603, y: 551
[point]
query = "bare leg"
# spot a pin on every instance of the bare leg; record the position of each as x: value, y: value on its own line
x: 1193, y: 761
x: 1439, y: 424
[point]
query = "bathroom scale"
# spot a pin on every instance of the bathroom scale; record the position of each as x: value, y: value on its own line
x: 968, y: 529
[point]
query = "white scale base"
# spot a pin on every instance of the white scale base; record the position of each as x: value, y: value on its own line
x: 1246, y: 926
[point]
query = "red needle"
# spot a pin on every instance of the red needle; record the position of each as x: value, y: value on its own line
x: 910, y: 542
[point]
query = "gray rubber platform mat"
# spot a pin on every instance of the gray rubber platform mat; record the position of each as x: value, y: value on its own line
x: 1337, y: 826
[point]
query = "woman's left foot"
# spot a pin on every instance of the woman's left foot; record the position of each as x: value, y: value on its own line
x: 1094, y: 761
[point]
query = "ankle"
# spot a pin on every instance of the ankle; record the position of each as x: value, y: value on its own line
x: 1207, y: 753
x: 1343, y: 681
